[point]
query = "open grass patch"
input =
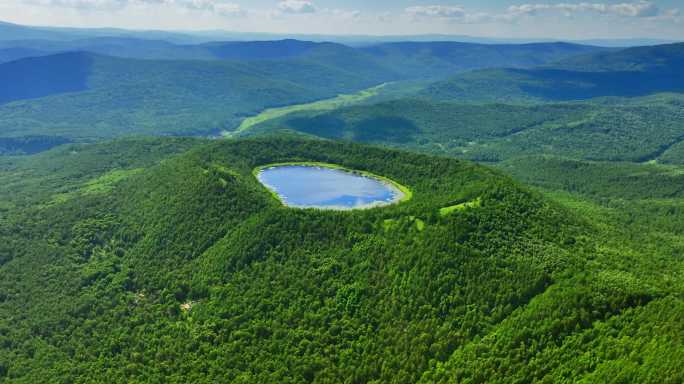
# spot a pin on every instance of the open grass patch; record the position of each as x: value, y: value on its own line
x: 460, y: 207
x: 321, y: 105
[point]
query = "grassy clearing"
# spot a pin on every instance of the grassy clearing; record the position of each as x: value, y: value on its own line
x: 390, y: 224
x: 321, y: 105
x: 460, y: 207
x: 106, y: 182
x: 99, y: 185
x: 420, y: 224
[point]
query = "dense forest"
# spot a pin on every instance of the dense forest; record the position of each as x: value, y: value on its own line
x: 633, y: 72
x: 638, y: 129
x: 164, y: 260
x: 106, y: 87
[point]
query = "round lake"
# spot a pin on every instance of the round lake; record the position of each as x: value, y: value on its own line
x: 309, y: 186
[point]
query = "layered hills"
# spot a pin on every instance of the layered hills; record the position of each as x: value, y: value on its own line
x: 163, y: 259
x: 630, y: 72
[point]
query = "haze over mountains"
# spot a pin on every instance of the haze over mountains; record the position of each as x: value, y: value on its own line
x: 137, y: 245
x: 9, y: 32
x: 111, y: 86
x: 97, y: 95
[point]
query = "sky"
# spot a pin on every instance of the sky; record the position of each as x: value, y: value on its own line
x: 562, y: 19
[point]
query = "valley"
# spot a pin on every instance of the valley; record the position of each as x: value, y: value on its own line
x: 180, y: 210
x: 322, y: 105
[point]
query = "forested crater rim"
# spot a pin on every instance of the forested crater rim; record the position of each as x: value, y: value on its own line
x: 329, y: 186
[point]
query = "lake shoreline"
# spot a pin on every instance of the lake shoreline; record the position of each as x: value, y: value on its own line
x: 401, y: 192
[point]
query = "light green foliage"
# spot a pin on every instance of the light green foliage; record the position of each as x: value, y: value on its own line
x: 287, y: 295
x: 165, y: 260
x: 106, y: 182
x: 322, y: 105
x: 124, y: 97
x: 640, y: 129
x: 459, y: 207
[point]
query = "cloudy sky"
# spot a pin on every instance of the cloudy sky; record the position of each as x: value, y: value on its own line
x: 567, y: 19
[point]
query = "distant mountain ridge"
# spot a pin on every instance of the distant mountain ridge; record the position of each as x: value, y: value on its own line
x: 406, y: 60
x: 10, y: 31
x: 85, y: 96
x: 44, y: 76
x: 630, y: 72
x: 664, y: 58
x: 419, y: 57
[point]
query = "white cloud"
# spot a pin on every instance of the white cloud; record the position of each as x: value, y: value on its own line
x: 537, y: 18
x: 229, y: 9
x: 436, y: 11
x: 638, y: 9
x: 81, y: 4
x: 342, y: 14
x: 458, y: 14
x: 296, y: 6
x: 454, y: 14
x: 385, y: 17
x: 219, y: 7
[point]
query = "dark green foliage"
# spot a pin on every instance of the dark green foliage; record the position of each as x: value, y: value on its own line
x: 627, y: 73
x: 378, y: 129
x: 209, y: 88
x: 437, y: 59
x: 598, y: 180
x: 189, y: 271
x: 15, y: 53
x: 126, y: 96
x: 552, y: 85
x: 165, y: 261
x: 667, y: 58
x: 44, y: 76
x: 29, y: 144
x: 264, y: 50
x: 635, y: 130
x: 412, y: 60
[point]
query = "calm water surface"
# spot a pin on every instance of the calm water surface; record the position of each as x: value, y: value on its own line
x: 304, y: 186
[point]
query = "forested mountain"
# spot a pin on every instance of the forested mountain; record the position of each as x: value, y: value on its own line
x: 667, y: 58
x: 11, y: 31
x: 44, y: 76
x: 173, y: 89
x: 641, y: 129
x: 163, y: 259
x: 137, y: 48
x: 628, y: 73
x: 85, y: 96
x: 187, y: 270
x: 11, y: 54
x: 419, y: 59
x: 127, y: 47
x: 436, y: 59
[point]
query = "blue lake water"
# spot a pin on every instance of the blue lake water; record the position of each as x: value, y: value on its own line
x: 304, y: 186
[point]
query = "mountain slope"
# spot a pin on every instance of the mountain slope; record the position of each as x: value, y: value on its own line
x: 438, y: 59
x: 639, y: 129
x: 664, y: 58
x: 262, y: 50
x: 12, y: 54
x: 194, y: 257
x: 408, y: 60
x: 632, y: 72
x: 82, y: 96
x: 44, y: 76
